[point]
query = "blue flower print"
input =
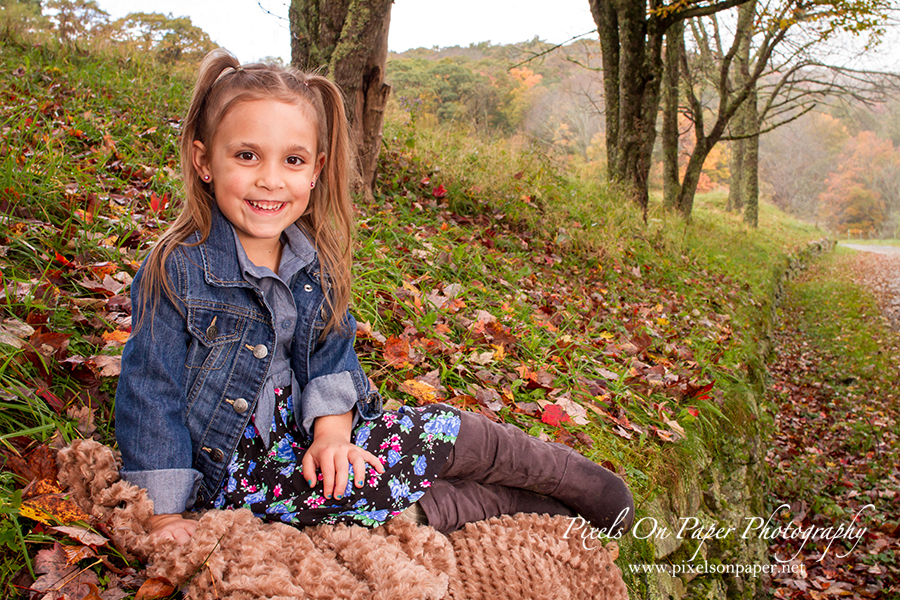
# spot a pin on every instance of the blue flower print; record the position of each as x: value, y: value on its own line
x: 362, y: 436
x: 259, y: 496
x: 406, y: 423
x: 288, y: 517
x: 393, y: 457
x: 284, y: 452
x: 414, y: 497
x: 250, y: 466
x: 280, y: 508
x: 288, y: 470
x: 399, y: 489
x: 231, y: 485
x: 250, y: 431
x: 419, y: 465
x: 360, y: 503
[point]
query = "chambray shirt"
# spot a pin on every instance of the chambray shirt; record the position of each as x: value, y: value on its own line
x: 297, y: 253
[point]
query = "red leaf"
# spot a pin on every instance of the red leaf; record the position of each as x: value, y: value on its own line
x: 157, y: 203
x: 439, y: 192
x: 554, y: 415
x: 693, y: 411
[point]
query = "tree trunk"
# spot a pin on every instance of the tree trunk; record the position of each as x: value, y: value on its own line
x: 674, y: 43
x: 750, y: 175
x: 692, y: 176
x: 347, y: 40
x: 735, y: 185
x: 742, y: 122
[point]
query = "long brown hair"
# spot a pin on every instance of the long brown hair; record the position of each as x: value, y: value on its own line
x: 221, y: 84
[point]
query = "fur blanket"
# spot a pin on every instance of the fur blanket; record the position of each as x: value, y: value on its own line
x: 235, y: 555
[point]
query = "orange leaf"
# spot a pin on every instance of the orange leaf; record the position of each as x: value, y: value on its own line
x: 116, y: 336
x: 152, y: 589
x: 52, y: 508
x: 420, y: 390
x: 40, y: 487
x: 396, y: 352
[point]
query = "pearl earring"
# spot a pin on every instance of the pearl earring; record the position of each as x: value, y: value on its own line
x: 206, y: 178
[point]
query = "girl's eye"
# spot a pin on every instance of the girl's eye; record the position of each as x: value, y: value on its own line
x: 245, y: 155
x: 294, y: 160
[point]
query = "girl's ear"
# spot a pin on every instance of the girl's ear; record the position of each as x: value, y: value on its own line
x: 200, y: 160
x: 320, y: 163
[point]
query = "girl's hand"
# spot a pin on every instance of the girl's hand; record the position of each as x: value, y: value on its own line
x: 331, y: 453
x: 172, y: 526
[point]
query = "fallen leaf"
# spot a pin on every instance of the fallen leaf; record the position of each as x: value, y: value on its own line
x: 85, y: 536
x: 554, y: 415
x: 77, y: 553
x: 51, y: 509
x: 85, y: 417
x: 14, y: 331
x: 110, y: 366
x: 155, y: 588
x: 421, y: 391
x: 396, y: 352
x: 60, y: 577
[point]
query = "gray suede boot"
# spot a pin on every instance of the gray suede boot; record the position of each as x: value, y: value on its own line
x: 489, y: 453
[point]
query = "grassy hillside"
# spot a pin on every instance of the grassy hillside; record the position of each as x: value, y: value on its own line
x: 487, y: 277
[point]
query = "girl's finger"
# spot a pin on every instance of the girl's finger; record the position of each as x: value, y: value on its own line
x: 308, y: 465
x: 359, y: 468
x: 341, y: 474
x: 326, y: 466
x: 373, y: 460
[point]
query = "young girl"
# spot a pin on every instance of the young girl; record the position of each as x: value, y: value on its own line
x: 240, y: 386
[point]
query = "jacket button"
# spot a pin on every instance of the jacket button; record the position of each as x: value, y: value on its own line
x: 307, y: 288
x: 260, y: 351
x: 217, y: 455
x: 240, y: 406
x: 211, y: 332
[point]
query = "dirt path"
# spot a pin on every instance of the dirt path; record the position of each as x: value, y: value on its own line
x: 833, y: 450
x: 878, y: 269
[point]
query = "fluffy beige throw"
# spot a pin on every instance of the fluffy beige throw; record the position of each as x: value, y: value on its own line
x: 235, y: 555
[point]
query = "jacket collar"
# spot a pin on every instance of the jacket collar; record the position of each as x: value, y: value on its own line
x: 220, y: 258
x: 219, y: 253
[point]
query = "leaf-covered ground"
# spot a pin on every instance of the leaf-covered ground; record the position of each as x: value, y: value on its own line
x: 834, y: 454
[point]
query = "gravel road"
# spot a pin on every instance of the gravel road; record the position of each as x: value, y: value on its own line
x: 878, y: 268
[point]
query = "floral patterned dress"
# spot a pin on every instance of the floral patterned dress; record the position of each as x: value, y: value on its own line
x: 412, y: 443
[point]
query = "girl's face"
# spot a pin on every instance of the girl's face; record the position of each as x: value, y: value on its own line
x: 261, y: 163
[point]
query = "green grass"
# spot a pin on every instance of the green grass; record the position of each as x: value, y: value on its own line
x: 569, y: 272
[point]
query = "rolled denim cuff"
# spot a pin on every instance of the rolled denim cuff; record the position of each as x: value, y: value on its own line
x: 172, y: 491
x: 333, y: 394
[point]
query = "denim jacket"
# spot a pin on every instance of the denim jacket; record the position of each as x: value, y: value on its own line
x: 194, y: 370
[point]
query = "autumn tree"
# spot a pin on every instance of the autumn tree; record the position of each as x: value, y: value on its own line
x: 796, y: 159
x: 347, y: 41
x: 761, y: 53
x: 75, y: 19
x: 170, y: 38
x: 863, y: 192
x: 632, y: 33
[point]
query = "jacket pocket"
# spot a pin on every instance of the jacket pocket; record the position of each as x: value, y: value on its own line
x: 213, y: 332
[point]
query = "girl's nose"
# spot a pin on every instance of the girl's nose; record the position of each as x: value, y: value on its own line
x: 269, y: 176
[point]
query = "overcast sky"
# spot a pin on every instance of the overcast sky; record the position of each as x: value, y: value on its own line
x: 254, y: 29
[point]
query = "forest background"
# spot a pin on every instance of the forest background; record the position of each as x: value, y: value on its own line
x: 495, y: 270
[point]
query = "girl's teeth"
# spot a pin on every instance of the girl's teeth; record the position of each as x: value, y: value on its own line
x: 271, y: 208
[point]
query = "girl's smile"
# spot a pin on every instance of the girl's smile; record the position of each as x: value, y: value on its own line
x: 262, y: 163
